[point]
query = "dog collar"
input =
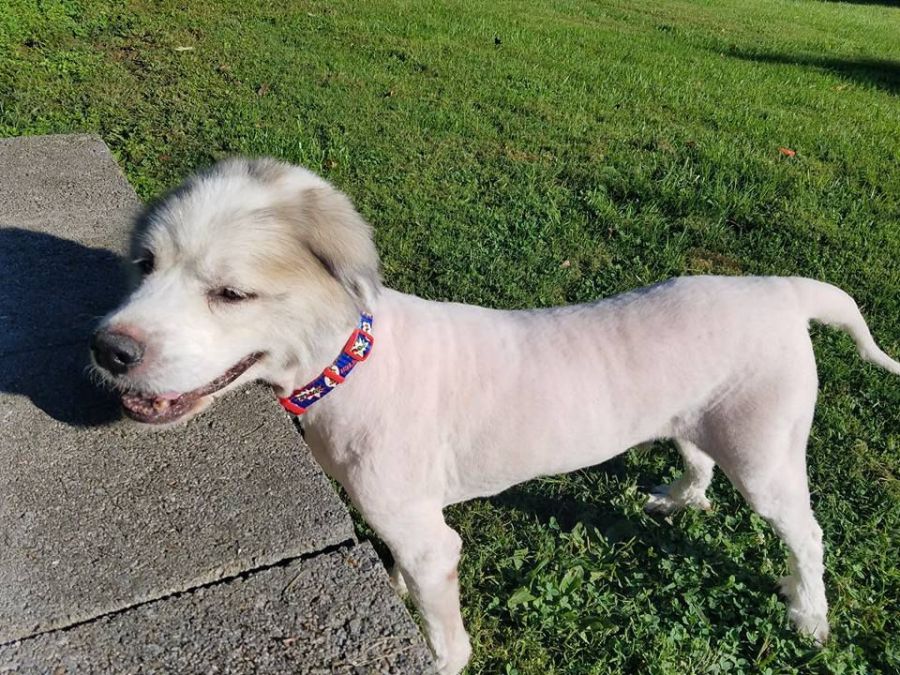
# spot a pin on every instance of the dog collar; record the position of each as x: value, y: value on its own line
x: 357, y: 349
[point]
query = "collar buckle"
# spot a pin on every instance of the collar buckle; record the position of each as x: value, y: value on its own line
x: 359, y: 345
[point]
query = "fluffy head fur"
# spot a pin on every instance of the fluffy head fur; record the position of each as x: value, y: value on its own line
x: 292, y: 265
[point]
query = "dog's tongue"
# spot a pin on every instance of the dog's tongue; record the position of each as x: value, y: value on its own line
x: 159, y: 408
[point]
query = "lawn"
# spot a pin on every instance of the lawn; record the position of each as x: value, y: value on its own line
x: 530, y: 154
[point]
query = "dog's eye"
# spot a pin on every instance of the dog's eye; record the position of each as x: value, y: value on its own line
x: 227, y: 294
x: 145, y: 263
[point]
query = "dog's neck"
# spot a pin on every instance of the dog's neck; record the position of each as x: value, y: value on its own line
x: 355, y: 393
x: 355, y: 350
x: 321, y: 339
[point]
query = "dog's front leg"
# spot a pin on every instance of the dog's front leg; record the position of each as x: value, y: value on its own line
x: 427, y: 551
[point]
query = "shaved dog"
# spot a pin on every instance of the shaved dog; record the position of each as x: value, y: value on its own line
x: 259, y: 270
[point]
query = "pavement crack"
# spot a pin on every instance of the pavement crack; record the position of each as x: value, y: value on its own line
x: 345, y: 545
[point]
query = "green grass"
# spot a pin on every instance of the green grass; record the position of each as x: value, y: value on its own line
x: 517, y: 154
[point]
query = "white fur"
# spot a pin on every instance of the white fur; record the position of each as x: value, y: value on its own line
x: 457, y: 402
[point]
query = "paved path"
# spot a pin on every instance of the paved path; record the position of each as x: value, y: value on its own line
x: 216, y: 546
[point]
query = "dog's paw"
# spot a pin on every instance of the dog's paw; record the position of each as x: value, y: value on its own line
x: 398, y: 583
x: 699, y: 502
x: 814, y: 626
x: 663, y: 500
x: 810, y: 619
x: 659, y: 502
x: 454, y: 662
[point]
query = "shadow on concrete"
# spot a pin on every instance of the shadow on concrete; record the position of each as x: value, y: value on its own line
x: 882, y: 73
x: 53, y: 293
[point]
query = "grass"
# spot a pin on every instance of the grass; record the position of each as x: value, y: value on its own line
x: 520, y: 154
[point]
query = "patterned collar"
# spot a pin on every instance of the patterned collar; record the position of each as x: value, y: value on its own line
x: 357, y: 349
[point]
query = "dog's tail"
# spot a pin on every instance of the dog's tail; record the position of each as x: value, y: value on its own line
x: 830, y: 305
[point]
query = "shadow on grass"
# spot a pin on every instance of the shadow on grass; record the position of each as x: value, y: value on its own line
x: 648, y: 533
x: 746, y: 582
x: 881, y: 73
x: 883, y: 3
x: 617, y: 526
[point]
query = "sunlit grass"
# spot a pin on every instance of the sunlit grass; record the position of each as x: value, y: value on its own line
x: 517, y: 154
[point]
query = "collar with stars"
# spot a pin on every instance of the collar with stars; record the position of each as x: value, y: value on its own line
x: 357, y: 349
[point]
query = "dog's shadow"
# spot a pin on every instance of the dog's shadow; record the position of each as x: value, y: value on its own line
x: 650, y: 536
x: 53, y: 293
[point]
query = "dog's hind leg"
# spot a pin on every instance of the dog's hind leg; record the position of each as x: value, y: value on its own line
x: 690, y: 488
x: 782, y: 499
x: 804, y: 587
x: 764, y: 456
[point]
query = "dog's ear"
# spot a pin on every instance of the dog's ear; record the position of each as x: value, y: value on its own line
x: 341, y: 240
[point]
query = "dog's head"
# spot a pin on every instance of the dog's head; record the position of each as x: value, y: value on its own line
x: 243, y: 271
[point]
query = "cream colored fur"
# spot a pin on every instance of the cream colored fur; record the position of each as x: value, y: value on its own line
x: 458, y: 402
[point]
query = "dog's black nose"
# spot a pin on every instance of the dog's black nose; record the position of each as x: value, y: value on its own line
x: 116, y: 352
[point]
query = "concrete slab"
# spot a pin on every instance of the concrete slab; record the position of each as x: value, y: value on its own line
x: 64, y: 213
x: 96, y: 515
x: 330, y: 614
x: 67, y: 186
x: 93, y: 520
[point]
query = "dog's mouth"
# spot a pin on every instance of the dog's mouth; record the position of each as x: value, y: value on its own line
x: 172, y: 406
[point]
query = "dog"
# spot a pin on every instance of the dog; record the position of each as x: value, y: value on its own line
x: 260, y: 270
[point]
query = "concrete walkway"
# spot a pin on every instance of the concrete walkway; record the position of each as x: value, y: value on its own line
x: 219, y: 546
